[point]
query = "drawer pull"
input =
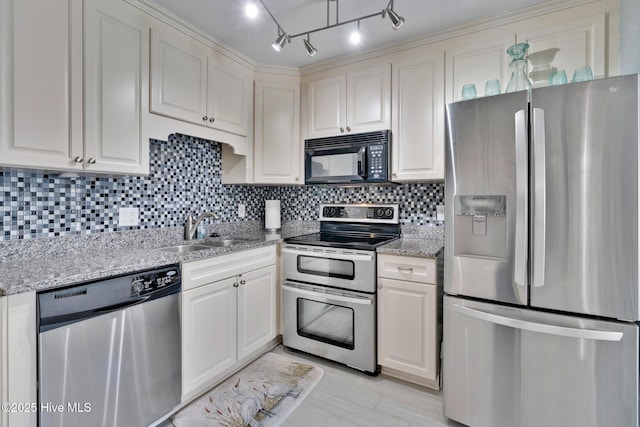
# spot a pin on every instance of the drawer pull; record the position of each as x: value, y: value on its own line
x: 405, y: 269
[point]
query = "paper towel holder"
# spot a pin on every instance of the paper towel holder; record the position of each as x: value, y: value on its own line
x: 272, y: 216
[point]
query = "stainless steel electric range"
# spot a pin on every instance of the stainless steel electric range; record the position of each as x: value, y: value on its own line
x: 329, y: 291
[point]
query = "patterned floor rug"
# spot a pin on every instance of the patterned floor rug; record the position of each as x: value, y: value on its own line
x: 261, y: 395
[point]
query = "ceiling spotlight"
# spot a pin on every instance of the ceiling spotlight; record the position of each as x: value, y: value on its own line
x: 309, y: 47
x: 355, y: 36
x: 251, y: 10
x: 396, y: 20
x: 279, y: 43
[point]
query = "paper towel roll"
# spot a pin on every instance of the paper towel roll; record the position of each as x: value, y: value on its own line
x: 272, y: 215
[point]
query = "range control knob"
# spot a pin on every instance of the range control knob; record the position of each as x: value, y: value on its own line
x: 379, y: 212
x: 388, y: 213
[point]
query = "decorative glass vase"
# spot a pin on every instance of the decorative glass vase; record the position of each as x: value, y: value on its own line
x: 518, y: 67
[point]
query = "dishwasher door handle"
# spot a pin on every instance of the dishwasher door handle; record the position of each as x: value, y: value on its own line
x: 122, y: 305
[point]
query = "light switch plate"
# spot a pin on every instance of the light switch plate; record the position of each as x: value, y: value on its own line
x: 128, y: 217
x: 242, y: 210
x: 440, y: 213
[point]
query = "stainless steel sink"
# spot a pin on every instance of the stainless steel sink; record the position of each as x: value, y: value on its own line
x: 225, y: 242
x: 191, y: 247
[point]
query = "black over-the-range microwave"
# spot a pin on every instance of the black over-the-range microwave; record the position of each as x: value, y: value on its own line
x: 348, y: 159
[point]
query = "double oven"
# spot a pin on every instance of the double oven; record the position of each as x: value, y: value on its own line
x: 329, y: 291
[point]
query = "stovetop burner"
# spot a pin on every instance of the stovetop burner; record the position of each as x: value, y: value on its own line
x: 362, y: 226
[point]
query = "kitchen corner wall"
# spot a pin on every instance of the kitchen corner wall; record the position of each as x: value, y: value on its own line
x: 185, y: 176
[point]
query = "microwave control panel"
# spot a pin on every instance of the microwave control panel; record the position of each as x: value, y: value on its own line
x: 377, y: 163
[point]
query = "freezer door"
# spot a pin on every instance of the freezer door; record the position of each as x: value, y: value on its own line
x: 486, y: 198
x: 585, y: 198
x: 507, y: 366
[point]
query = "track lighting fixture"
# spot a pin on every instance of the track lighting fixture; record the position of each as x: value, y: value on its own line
x: 397, y: 21
x: 279, y: 43
x: 309, y: 47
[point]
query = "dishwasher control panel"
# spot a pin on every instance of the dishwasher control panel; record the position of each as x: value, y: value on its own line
x: 148, y: 283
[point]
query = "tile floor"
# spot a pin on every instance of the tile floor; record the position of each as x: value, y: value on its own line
x: 348, y: 398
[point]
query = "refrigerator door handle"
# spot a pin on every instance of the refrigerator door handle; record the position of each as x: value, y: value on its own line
x: 521, y: 241
x: 540, y: 197
x: 539, y: 327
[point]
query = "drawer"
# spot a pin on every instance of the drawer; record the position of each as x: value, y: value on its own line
x: 209, y: 270
x: 413, y: 269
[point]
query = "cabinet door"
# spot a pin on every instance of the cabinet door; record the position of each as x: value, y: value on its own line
x: 116, y: 87
x: 277, y: 134
x: 229, y: 87
x: 256, y: 309
x: 326, y: 108
x: 407, y: 321
x: 178, y: 76
x: 581, y: 43
x: 369, y: 99
x: 208, y: 333
x: 418, y: 119
x: 41, y: 83
x: 476, y: 63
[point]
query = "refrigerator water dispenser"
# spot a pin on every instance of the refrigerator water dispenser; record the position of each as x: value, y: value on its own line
x: 480, y: 226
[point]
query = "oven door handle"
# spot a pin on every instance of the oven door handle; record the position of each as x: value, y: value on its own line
x: 348, y: 257
x: 327, y: 297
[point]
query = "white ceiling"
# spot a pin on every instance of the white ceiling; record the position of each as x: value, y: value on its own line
x: 225, y: 21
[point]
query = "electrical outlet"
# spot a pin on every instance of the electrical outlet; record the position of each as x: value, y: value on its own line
x: 242, y: 210
x: 128, y: 217
x: 440, y: 213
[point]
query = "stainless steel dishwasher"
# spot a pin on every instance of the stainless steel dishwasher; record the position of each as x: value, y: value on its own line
x: 109, y: 351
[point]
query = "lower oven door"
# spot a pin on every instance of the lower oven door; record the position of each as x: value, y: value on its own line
x: 340, y: 268
x: 334, y: 324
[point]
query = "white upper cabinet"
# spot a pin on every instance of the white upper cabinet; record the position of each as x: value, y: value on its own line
x: 193, y: 83
x: 327, y: 103
x: 45, y: 123
x: 116, y: 52
x: 417, y: 151
x: 581, y: 43
x: 178, y: 76
x: 358, y: 101
x: 278, y: 147
x: 369, y: 99
x: 476, y: 63
x: 41, y: 84
x: 230, y: 86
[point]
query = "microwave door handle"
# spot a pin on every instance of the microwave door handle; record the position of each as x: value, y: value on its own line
x: 362, y: 159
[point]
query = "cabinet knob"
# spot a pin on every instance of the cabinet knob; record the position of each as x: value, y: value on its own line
x: 205, y: 118
x: 242, y: 282
x: 235, y: 285
x: 379, y: 285
x: 91, y: 161
x: 348, y: 129
x: 297, y: 178
x: 211, y: 120
x: 78, y: 159
x: 342, y: 130
x: 394, y: 174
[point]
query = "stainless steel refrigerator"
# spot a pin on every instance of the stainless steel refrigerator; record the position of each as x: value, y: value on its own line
x: 541, y: 303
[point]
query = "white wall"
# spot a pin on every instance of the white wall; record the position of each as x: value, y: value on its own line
x: 629, y: 36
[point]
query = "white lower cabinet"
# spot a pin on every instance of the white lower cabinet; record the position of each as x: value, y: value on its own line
x: 408, y: 318
x: 228, y: 314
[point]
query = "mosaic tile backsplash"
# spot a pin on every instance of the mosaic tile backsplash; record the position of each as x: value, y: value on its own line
x: 185, y: 176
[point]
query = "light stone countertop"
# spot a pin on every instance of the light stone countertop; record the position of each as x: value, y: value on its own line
x: 410, y: 246
x: 55, y: 262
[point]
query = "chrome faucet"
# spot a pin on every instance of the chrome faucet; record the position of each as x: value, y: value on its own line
x: 191, y: 225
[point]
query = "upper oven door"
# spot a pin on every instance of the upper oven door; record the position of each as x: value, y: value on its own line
x: 339, y: 268
x: 335, y: 163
